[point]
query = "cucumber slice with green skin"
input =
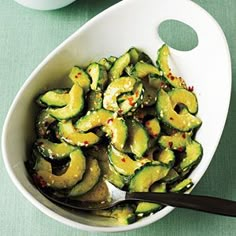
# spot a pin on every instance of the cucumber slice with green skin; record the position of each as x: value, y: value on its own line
x: 119, y: 66
x: 122, y: 163
x: 90, y: 179
x: 166, y: 113
x: 182, y: 186
x: 194, y: 153
x: 106, y: 63
x: 142, y: 69
x: 162, y: 62
x: 147, y: 175
x: 177, y: 141
x: 145, y: 208
x: 124, y: 214
x: 99, y: 76
x: 134, y: 55
x: 94, y: 100
x: 183, y: 96
x: 157, y: 82
x: 74, y: 106
x: 150, y: 93
x: 114, y: 126
x: 43, y: 122
x: 112, y: 59
x: 80, y: 77
x: 54, y: 151
x: 153, y: 127
x: 132, y: 101
x: 137, y: 138
x: 171, y: 177
x: 115, y: 89
x: 73, y: 174
x: 167, y: 157
x: 69, y: 134
x: 54, y: 98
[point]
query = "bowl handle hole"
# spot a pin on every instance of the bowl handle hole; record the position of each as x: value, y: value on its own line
x: 178, y: 35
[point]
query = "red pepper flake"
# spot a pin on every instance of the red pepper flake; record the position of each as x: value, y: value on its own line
x: 79, y: 74
x: 39, y: 180
x: 180, y: 149
x: 120, y: 111
x: 170, y: 144
x: 147, y: 123
x: 89, y: 70
x: 86, y: 143
x: 172, y: 77
x: 136, y: 94
x: 155, y: 135
x: 76, y: 76
x: 183, y: 135
x: 109, y: 120
x: 123, y: 159
x: 131, y: 103
x: 190, y: 88
x: 171, y: 118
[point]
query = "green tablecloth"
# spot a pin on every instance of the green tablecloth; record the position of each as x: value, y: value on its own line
x: 26, y: 37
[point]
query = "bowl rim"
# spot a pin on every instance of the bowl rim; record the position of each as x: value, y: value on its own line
x: 149, y: 220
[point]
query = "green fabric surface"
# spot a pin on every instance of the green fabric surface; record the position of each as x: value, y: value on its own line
x: 26, y: 37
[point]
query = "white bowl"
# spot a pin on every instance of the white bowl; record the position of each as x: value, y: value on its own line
x: 112, y: 32
x: 45, y: 4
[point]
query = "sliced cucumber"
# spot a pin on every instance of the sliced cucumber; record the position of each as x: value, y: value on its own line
x: 153, y: 127
x: 54, y: 98
x: 119, y: 66
x: 166, y: 113
x: 146, y: 208
x: 146, y: 176
x: 162, y: 62
x: 43, y: 122
x: 150, y: 93
x: 79, y: 76
x: 122, y: 163
x: 54, y: 151
x: 106, y: 63
x: 114, y: 126
x: 185, y: 97
x: 193, y: 155
x: 94, y: 100
x: 70, y: 135
x: 182, y: 186
x: 167, y: 157
x: 73, y: 174
x: 90, y: 179
x: 115, y: 89
x: 171, y: 177
x: 142, y: 69
x: 74, y: 106
x: 137, y: 138
x: 99, y: 76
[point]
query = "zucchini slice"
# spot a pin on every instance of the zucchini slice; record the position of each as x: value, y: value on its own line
x: 74, y: 106
x: 43, y: 122
x: 137, y: 138
x: 115, y: 89
x: 182, y: 186
x: 166, y: 113
x: 73, y: 174
x: 185, y: 97
x: 80, y: 77
x: 54, y: 98
x: 122, y: 163
x: 99, y: 76
x: 147, y: 175
x: 90, y: 179
x: 162, y: 62
x: 70, y: 135
x: 193, y: 155
x: 146, y: 208
x: 153, y: 127
x: 119, y: 66
x: 142, y: 69
x: 54, y: 151
x: 114, y: 126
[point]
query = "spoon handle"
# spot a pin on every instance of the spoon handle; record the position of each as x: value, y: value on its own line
x: 200, y: 203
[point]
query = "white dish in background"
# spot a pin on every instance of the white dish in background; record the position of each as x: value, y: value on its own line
x: 45, y: 4
x: 112, y: 32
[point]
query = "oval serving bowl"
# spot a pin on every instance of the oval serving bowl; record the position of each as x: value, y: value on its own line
x: 112, y: 32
